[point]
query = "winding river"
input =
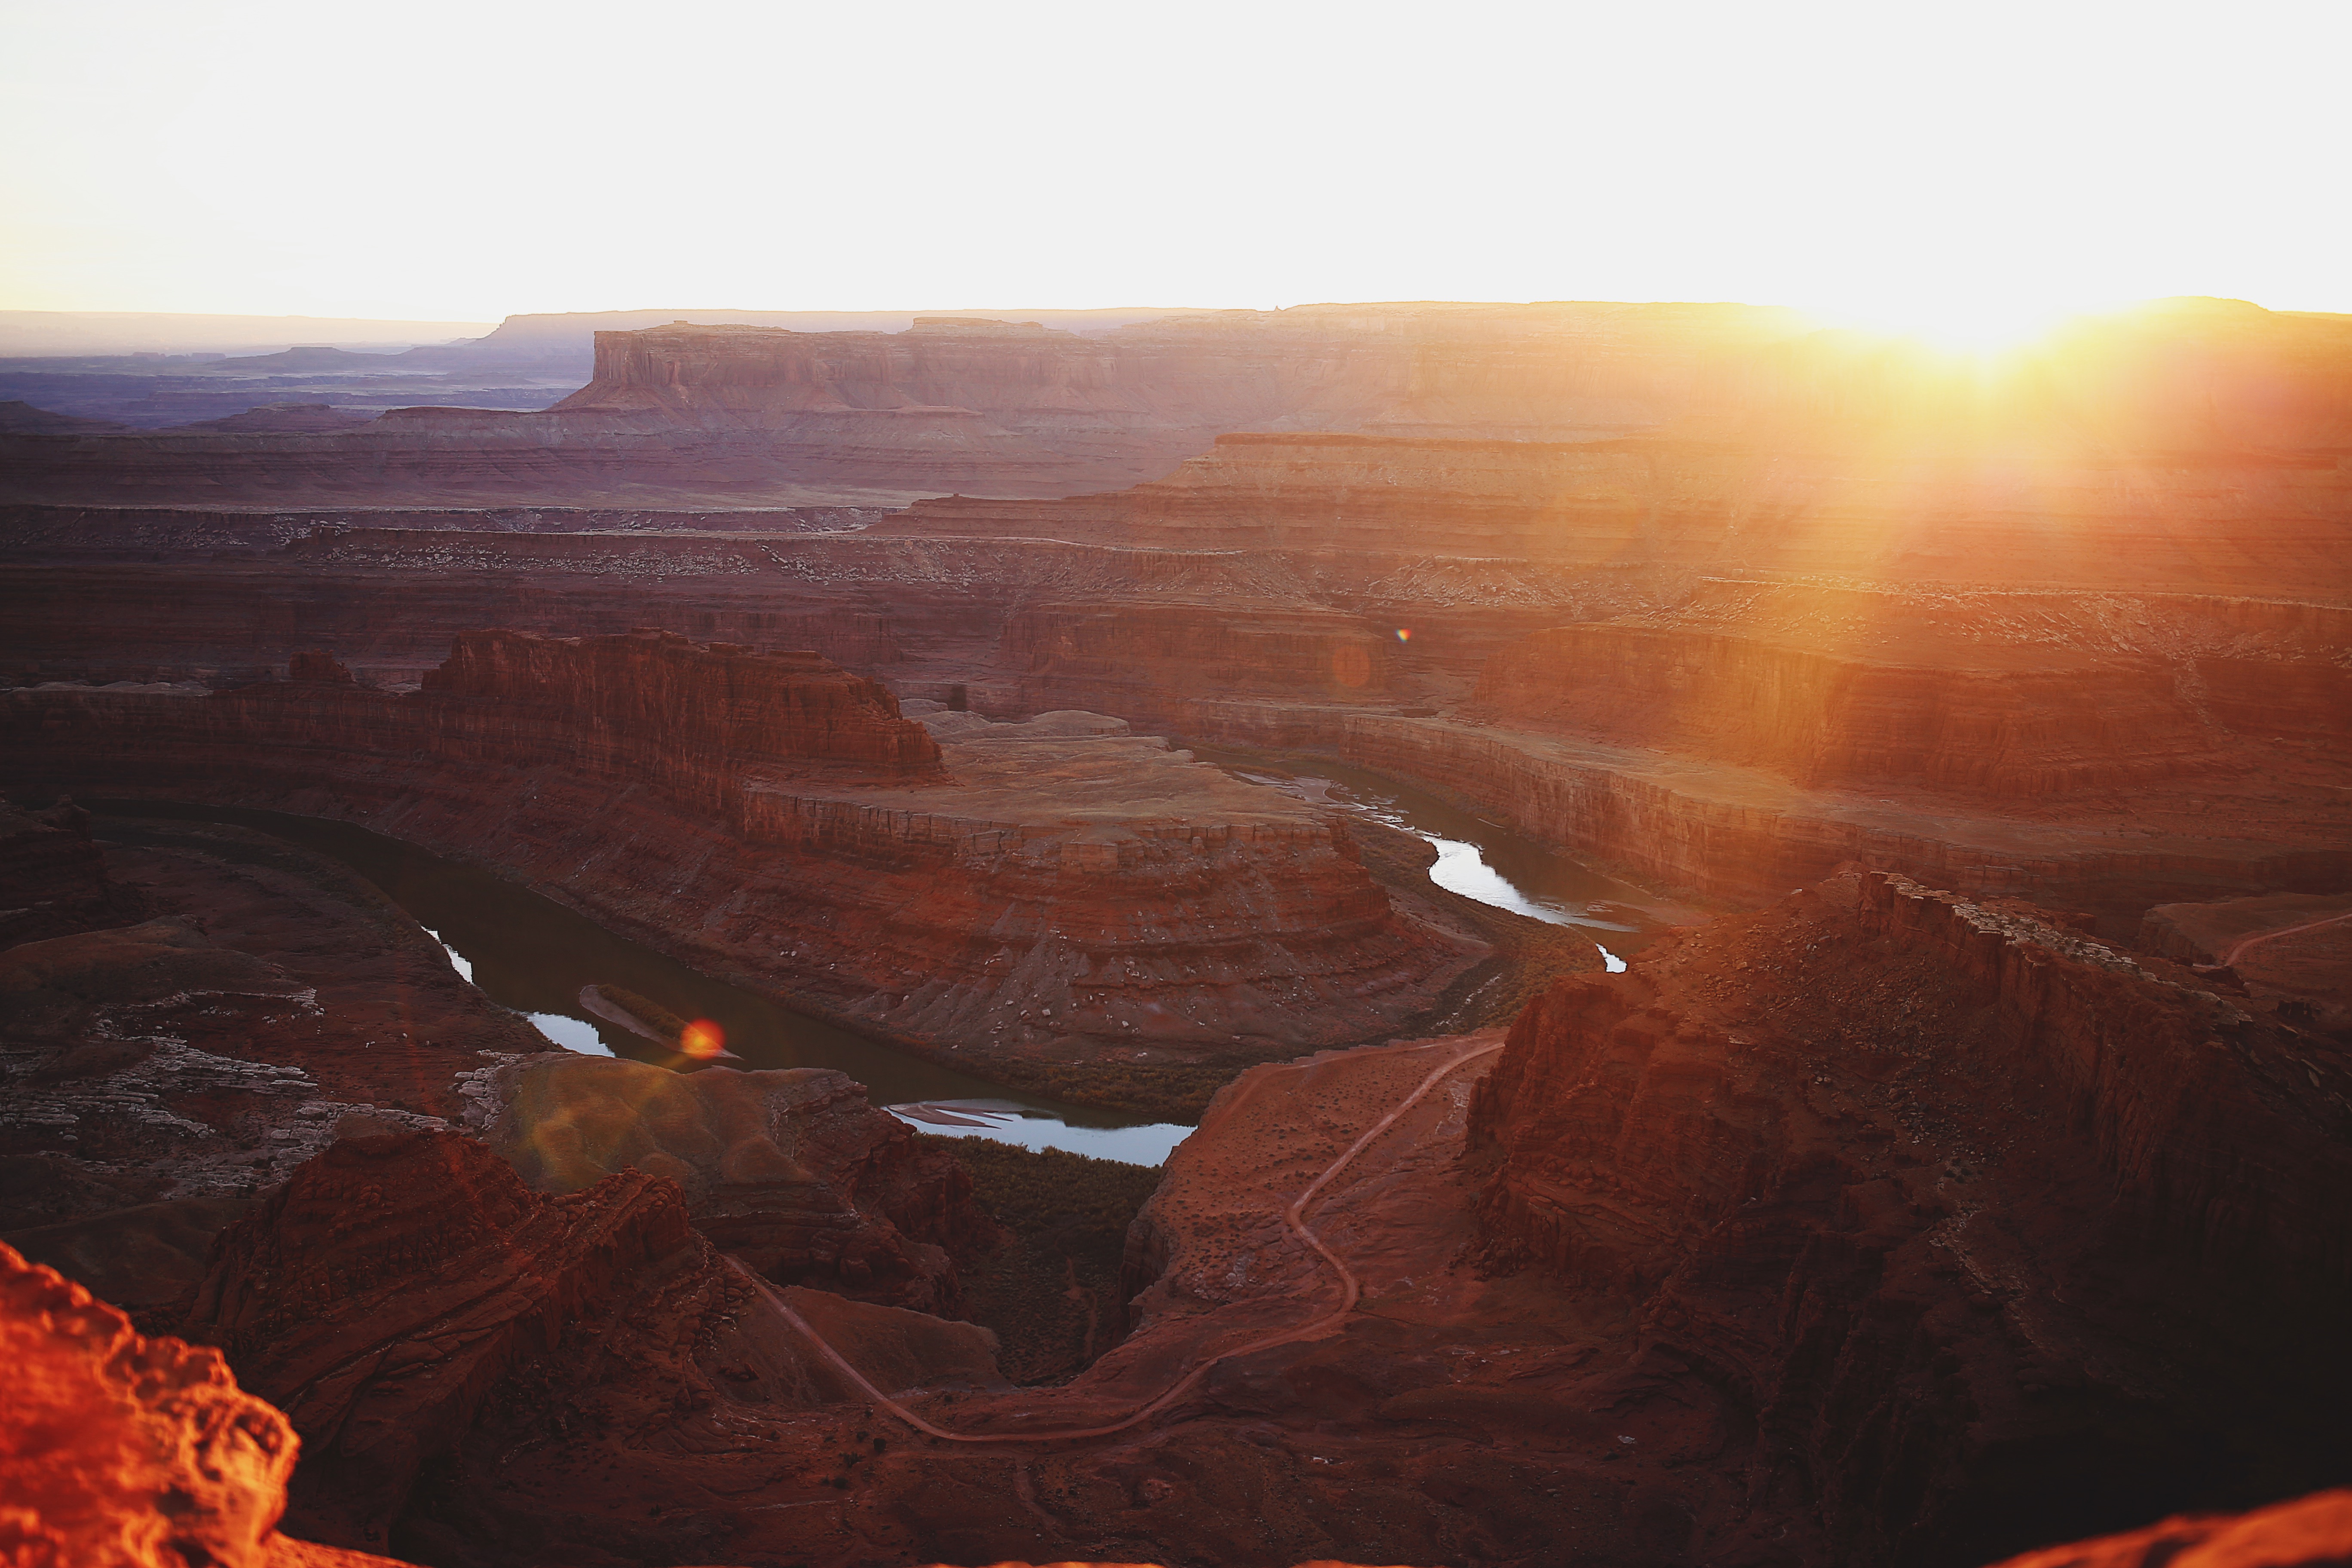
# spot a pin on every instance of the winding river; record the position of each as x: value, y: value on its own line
x: 534, y: 955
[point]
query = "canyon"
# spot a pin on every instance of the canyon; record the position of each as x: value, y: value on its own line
x: 1055, y: 901
x: 1876, y: 1224
x: 1977, y: 1195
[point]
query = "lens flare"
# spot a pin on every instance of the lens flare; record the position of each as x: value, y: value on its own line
x: 1405, y: 634
x: 702, y: 1039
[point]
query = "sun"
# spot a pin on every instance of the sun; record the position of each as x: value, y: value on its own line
x: 1979, y: 324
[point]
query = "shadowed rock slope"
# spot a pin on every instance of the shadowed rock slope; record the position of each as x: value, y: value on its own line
x: 1988, y: 1231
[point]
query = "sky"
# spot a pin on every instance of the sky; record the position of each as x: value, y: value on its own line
x: 1886, y: 164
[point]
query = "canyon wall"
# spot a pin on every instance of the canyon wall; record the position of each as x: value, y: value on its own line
x: 695, y: 715
x: 1938, y: 1190
x: 1848, y: 502
x: 2047, y: 724
x: 2102, y: 744
x: 755, y: 415
x: 1070, y: 896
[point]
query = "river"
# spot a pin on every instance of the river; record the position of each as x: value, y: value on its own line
x: 1477, y: 857
x: 532, y: 956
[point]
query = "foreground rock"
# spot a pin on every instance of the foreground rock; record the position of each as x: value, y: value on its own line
x: 2310, y: 1532
x: 124, y: 1452
x: 1083, y: 906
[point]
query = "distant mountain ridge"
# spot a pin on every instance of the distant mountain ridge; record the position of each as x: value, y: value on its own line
x: 26, y: 334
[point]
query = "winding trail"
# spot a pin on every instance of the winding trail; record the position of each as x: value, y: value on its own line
x: 2261, y: 937
x: 1351, y: 1292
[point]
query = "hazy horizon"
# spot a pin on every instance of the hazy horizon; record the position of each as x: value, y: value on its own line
x: 1981, y: 170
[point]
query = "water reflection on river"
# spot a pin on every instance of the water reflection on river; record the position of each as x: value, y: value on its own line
x: 532, y: 956
x: 1477, y: 857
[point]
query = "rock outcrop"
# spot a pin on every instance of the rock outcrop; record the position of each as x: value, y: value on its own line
x: 792, y: 1172
x: 160, y: 1074
x: 1934, y: 1192
x: 124, y: 1452
x: 424, y: 1320
x: 696, y: 719
x: 390, y: 1289
x: 53, y: 879
x: 2309, y: 1532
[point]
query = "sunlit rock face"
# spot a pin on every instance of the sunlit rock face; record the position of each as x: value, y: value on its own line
x: 2309, y: 1532
x: 123, y: 1452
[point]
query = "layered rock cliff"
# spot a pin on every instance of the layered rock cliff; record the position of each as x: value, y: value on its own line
x: 1991, y: 723
x: 1850, y: 503
x: 694, y: 716
x: 403, y: 1293
x: 1075, y: 896
x: 768, y: 416
x: 1991, y: 1232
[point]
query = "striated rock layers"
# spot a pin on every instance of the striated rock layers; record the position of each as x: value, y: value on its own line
x: 1077, y: 895
x: 1986, y: 1232
x: 405, y: 1290
x: 764, y: 416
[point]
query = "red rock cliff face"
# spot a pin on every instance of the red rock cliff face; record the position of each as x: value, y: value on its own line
x: 131, y: 1452
x: 1984, y: 722
x: 1059, y: 897
x: 401, y: 1289
x: 1941, y: 1192
x: 1856, y: 503
x: 1138, y: 656
x: 693, y: 715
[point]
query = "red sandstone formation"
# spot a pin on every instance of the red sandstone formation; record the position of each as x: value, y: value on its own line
x: 122, y: 1452
x: 2310, y: 1532
x: 701, y: 720
x: 388, y: 1290
x: 1876, y: 1227
x: 1931, y: 1192
x: 2235, y: 789
x: 1065, y: 895
x: 791, y: 1172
